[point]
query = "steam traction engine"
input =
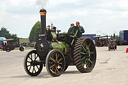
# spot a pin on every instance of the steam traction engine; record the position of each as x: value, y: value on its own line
x: 62, y: 50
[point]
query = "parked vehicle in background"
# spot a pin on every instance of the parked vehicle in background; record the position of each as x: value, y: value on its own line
x: 101, y: 41
x: 124, y: 37
x: 25, y: 44
x: 6, y: 46
x: 112, y: 44
x: 32, y: 44
x: 92, y: 36
x: 2, y: 42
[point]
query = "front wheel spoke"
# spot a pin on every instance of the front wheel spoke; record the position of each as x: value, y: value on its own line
x: 50, y: 62
x: 37, y: 67
x: 57, y: 70
x: 56, y: 56
x: 28, y: 61
x: 28, y: 65
x: 52, y: 66
x: 36, y: 56
x: 53, y: 69
x: 59, y: 60
x: 30, y: 68
x: 33, y: 69
x: 52, y: 59
x: 60, y: 63
x: 30, y: 57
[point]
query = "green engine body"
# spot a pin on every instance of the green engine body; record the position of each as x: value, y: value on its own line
x: 58, y: 42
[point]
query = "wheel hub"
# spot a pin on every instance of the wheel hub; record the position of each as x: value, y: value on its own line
x: 56, y: 63
x: 34, y: 63
x: 87, y: 53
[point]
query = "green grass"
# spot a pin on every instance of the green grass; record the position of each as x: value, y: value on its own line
x: 26, y: 48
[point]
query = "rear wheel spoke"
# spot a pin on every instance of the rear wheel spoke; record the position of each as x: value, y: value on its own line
x: 82, y: 53
x: 91, y: 53
x: 90, y: 61
x: 88, y: 46
x: 83, y: 58
x: 83, y: 48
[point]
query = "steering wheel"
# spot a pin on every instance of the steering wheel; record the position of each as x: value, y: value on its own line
x: 73, y: 34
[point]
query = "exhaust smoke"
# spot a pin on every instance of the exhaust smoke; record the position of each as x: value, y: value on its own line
x: 42, y: 3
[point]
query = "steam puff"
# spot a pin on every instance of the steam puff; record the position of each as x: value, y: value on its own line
x: 42, y: 3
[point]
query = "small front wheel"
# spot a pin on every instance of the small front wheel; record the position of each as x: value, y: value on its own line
x: 55, y: 63
x: 32, y: 63
x: 21, y: 48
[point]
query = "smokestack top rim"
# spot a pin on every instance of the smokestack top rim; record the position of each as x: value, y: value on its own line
x: 43, y: 10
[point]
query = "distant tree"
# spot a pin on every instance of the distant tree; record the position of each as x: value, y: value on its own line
x: 35, y: 31
x: 5, y: 33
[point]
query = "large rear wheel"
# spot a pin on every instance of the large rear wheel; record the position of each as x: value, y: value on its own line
x: 84, y: 55
x: 55, y: 63
x: 32, y: 63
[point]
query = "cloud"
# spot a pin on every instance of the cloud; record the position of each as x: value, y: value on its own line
x: 122, y: 4
x: 94, y: 15
x: 63, y: 3
x: 15, y: 2
x: 124, y: 14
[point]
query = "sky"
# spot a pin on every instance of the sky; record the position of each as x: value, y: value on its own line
x: 101, y: 17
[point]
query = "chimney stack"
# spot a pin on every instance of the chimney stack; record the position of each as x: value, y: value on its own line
x: 43, y: 21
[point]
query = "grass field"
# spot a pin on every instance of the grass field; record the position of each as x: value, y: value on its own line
x: 26, y: 48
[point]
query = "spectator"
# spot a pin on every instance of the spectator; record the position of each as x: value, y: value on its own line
x: 81, y: 29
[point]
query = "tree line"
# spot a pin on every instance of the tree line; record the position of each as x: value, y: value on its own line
x: 35, y: 32
x: 5, y: 33
x: 33, y: 36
